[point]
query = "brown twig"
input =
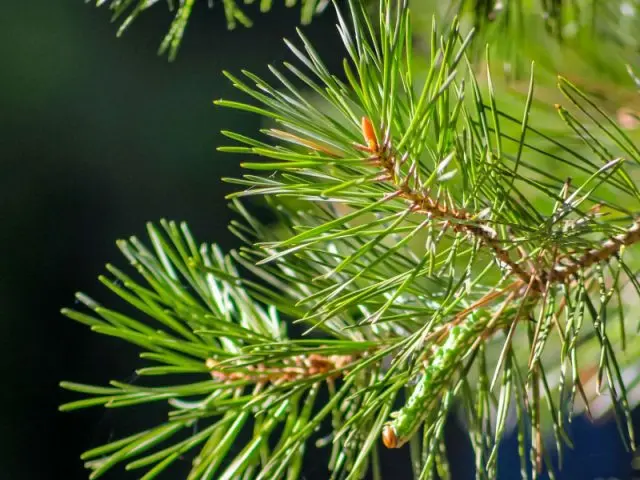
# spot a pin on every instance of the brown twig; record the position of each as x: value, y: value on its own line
x: 384, y: 156
x: 302, y: 366
x: 609, y: 249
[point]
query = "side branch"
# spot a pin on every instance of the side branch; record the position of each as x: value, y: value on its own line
x: 610, y: 248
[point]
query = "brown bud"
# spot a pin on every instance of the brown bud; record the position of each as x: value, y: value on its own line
x: 389, y: 437
x: 369, y: 134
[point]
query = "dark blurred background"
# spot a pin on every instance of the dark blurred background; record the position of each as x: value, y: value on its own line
x: 97, y: 136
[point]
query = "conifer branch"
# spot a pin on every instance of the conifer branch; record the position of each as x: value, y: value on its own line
x: 234, y: 14
x: 445, y: 261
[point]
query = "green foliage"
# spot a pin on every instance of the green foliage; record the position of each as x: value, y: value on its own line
x: 430, y: 245
x: 614, y: 20
x: 233, y: 12
x: 585, y: 38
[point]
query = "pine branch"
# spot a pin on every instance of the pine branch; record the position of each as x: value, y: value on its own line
x: 233, y: 12
x: 397, y: 187
x: 216, y: 330
x: 446, y: 261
